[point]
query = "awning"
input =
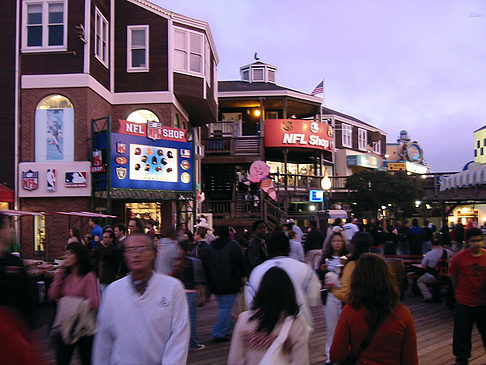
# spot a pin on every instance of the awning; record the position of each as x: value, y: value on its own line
x: 150, y: 195
x: 6, y: 194
x: 337, y: 213
x: 85, y: 214
x: 473, y: 176
x: 17, y: 213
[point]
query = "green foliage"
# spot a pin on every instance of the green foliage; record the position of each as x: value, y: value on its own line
x: 377, y: 188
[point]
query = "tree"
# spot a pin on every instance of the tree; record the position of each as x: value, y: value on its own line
x: 377, y: 188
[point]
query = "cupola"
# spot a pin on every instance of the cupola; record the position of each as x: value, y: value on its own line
x: 259, y: 72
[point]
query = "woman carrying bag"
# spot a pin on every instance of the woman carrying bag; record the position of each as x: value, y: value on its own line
x: 76, y: 288
x: 272, y: 333
x: 374, y: 328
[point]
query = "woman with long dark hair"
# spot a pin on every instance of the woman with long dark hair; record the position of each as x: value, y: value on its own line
x: 75, y: 236
x: 375, y: 328
x: 75, y: 278
x: 275, y: 309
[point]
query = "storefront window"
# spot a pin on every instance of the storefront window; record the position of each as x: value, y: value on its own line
x: 39, y: 234
x: 142, y: 116
x: 145, y: 211
x: 54, y: 129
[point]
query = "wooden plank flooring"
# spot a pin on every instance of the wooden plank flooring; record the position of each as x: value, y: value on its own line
x: 433, y: 321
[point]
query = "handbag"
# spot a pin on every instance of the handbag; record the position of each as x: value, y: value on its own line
x: 352, y: 359
x: 274, y: 355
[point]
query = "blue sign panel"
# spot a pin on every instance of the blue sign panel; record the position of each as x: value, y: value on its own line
x: 138, y: 162
x: 316, y: 196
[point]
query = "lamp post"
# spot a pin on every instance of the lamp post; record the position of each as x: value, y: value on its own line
x: 326, y: 186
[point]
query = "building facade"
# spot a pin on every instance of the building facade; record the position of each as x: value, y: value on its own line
x: 93, y: 72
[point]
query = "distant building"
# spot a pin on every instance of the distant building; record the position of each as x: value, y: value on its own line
x: 406, y: 155
x: 480, y: 145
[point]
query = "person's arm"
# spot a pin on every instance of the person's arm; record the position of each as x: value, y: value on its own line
x: 177, y: 346
x: 237, y: 349
x: 91, y: 290
x: 55, y: 289
x: 300, y: 349
x: 453, y: 271
x: 312, y: 288
x: 341, y: 342
x: 342, y: 293
x: 300, y: 253
x: 251, y: 288
x: 409, y: 347
x: 104, y: 339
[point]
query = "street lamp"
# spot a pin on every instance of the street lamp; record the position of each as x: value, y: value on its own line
x: 326, y: 186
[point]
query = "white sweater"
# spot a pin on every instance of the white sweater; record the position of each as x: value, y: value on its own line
x: 306, y: 284
x: 149, y: 329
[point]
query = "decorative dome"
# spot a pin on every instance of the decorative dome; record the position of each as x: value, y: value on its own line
x: 259, y: 72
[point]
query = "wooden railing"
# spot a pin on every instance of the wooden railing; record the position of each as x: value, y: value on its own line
x: 232, y: 145
x: 305, y: 182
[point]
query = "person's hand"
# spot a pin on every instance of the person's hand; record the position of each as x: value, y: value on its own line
x: 324, y: 267
x: 97, y: 238
x: 329, y: 286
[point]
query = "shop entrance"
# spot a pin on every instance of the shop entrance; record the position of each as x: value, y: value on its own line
x: 147, y: 211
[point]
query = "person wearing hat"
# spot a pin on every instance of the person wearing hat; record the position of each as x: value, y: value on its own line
x: 296, y: 228
x: 204, y: 227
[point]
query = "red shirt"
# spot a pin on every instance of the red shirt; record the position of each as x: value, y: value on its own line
x: 470, y: 272
x: 395, y: 341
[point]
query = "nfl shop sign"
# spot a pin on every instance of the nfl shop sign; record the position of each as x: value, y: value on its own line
x: 152, y: 130
x: 298, y: 133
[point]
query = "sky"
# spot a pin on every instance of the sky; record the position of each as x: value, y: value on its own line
x: 418, y: 65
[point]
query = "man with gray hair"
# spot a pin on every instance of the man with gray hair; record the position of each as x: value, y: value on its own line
x: 144, y: 318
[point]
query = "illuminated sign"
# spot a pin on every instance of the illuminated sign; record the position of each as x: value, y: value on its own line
x: 368, y: 161
x: 298, y: 133
x: 152, y: 130
x: 316, y: 196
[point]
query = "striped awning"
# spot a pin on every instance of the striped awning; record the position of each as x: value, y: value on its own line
x: 473, y: 176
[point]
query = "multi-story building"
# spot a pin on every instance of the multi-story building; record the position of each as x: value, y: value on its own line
x: 480, y: 145
x: 406, y: 155
x: 109, y: 83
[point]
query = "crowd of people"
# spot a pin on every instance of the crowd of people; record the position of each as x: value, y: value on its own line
x: 128, y: 295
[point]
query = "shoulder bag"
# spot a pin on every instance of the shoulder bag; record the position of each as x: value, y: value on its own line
x: 274, y: 355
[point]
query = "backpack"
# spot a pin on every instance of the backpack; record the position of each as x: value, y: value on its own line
x: 441, y: 270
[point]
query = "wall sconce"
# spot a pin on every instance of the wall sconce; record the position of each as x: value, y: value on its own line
x: 257, y: 112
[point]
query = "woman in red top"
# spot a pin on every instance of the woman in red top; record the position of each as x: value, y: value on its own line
x: 374, y: 302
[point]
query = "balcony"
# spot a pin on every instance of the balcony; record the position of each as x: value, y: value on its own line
x: 224, y: 141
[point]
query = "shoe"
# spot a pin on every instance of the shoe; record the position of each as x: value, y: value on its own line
x: 220, y: 339
x: 199, y: 347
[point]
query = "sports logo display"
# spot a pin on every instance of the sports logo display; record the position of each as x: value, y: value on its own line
x: 30, y: 180
x: 51, y: 179
x: 121, y: 172
x: 76, y: 179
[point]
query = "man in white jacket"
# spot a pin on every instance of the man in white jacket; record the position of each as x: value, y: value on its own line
x: 306, y: 284
x: 144, y: 318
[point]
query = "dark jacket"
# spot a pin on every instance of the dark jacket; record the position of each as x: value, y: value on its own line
x: 314, y: 240
x: 224, y: 267
x: 255, y: 254
x: 108, y: 264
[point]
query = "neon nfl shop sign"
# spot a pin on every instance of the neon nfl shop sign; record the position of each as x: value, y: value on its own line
x: 152, y: 130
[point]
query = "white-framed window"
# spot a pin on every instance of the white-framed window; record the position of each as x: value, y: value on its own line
x: 362, y: 139
x: 137, y: 48
x: 191, y: 52
x: 377, y: 147
x: 44, y: 25
x: 258, y: 74
x: 271, y: 75
x: 101, y: 38
x: 347, y: 138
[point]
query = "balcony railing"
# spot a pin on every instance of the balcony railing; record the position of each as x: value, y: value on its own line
x: 305, y: 182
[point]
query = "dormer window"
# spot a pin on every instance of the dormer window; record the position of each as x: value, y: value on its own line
x: 258, y: 74
x: 271, y: 75
x: 245, y: 75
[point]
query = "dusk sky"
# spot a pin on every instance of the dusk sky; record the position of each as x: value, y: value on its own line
x: 418, y: 65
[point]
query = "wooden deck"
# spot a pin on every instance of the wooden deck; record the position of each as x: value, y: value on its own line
x: 434, y: 323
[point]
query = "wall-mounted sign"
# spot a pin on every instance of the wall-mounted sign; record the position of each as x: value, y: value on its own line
x: 316, y: 196
x: 55, y: 179
x: 145, y: 162
x: 407, y: 166
x: 298, y: 133
x: 368, y: 161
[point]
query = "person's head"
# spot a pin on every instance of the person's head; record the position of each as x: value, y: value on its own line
x: 184, y: 247
x: 373, y: 286
x: 277, y: 244
x: 135, y: 225
x: 475, y: 240
x: 275, y: 297
x: 183, y: 227
x: 337, y: 222
x: 74, y: 232
x: 188, y: 236
x: 222, y: 232
x: 149, y: 224
x: 108, y: 238
x: 355, y: 221
x: 199, y: 235
x: 260, y: 229
x: 291, y: 234
x: 107, y: 228
x: 120, y: 230
x: 415, y: 222
x: 92, y: 222
x: 313, y: 225
x: 286, y: 227
x: 338, y: 246
x: 139, y: 253
x: 360, y: 243
x: 77, y: 256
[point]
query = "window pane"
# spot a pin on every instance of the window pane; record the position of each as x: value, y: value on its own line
x: 34, y: 14
x: 180, y: 40
x: 138, y: 38
x: 138, y: 58
x: 56, y: 13
x: 56, y: 35
x: 180, y: 60
x: 34, y: 36
x: 196, y: 43
x: 103, y: 55
x: 195, y: 62
x: 105, y: 25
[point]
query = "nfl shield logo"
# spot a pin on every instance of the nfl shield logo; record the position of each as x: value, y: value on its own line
x: 121, y: 147
x: 154, y: 130
x: 121, y: 172
x: 30, y: 180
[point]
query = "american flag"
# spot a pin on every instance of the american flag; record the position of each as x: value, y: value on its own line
x: 319, y: 89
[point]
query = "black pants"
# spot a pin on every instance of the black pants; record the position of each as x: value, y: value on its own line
x: 64, y: 352
x: 464, y: 319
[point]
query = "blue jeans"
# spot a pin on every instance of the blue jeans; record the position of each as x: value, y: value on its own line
x: 404, y: 247
x: 223, y: 320
x: 464, y: 319
x: 426, y: 246
x: 192, y: 304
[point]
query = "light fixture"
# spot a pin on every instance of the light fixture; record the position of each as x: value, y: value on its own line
x: 257, y: 112
x: 326, y: 182
x: 312, y: 208
x: 417, y: 203
x: 387, y: 155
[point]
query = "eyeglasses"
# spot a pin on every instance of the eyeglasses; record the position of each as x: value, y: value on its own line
x: 137, y: 249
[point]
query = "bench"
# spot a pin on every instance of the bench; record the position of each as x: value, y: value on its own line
x: 408, y: 260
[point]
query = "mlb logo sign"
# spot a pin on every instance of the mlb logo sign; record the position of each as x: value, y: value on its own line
x: 30, y: 180
x: 154, y: 130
